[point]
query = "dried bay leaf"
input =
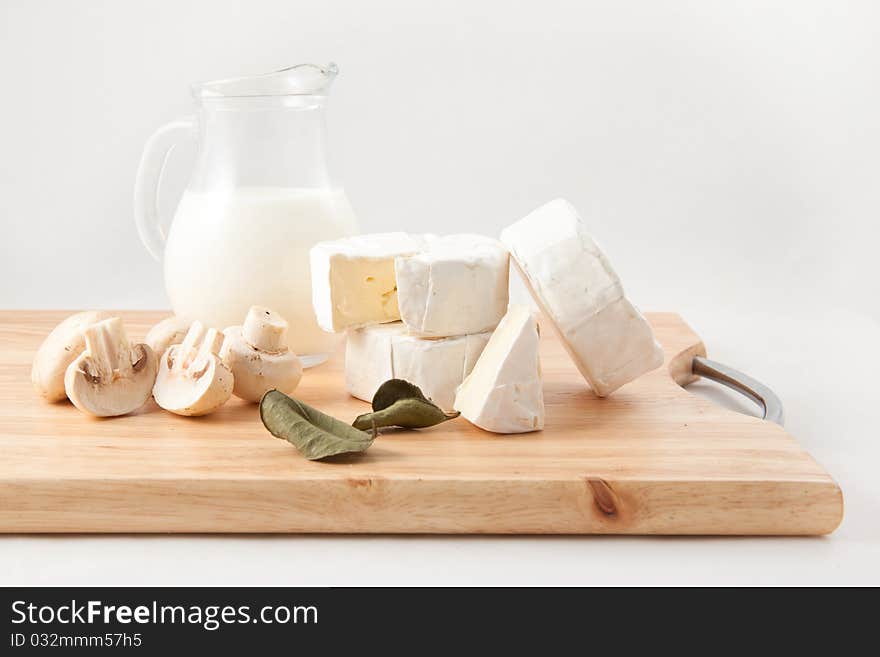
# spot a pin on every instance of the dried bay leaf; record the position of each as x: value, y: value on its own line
x: 315, y: 434
x: 395, y: 389
x: 399, y: 403
x: 407, y: 413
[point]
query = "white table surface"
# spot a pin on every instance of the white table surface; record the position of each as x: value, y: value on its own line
x: 822, y: 367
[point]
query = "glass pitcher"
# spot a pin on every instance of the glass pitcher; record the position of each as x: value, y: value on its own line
x: 258, y: 198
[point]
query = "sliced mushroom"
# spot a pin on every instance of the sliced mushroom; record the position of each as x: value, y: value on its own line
x: 112, y: 376
x: 60, y: 348
x: 171, y: 330
x: 258, y: 355
x: 192, y: 379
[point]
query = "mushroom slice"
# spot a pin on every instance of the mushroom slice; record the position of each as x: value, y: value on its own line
x: 171, y: 330
x: 60, y: 348
x: 258, y: 355
x: 192, y: 379
x: 112, y: 376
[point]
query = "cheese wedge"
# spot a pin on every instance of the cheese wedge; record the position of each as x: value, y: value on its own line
x: 572, y: 281
x: 457, y: 286
x: 377, y: 353
x: 353, y: 282
x: 503, y: 393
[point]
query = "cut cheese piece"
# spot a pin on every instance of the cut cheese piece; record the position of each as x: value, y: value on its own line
x: 457, y: 286
x: 503, y: 393
x: 571, y: 279
x: 375, y: 354
x: 353, y: 281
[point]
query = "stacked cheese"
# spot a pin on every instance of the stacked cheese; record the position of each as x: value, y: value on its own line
x: 425, y: 309
x: 420, y: 308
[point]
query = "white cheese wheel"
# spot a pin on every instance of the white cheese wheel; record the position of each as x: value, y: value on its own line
x: 353, y: 282
x: 438, y: 286
x: 458, y: 285
x: 608, y: 339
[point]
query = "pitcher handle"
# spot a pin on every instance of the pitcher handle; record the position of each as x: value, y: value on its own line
x: 149, y: 177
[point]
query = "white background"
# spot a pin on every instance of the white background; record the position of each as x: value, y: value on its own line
x: 725, y: 154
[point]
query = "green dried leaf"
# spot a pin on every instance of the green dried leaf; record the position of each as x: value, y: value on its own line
x: 395, y: 389
x: 315, y: 434
x: 399, y: 403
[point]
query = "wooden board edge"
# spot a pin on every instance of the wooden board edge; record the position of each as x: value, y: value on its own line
x: 679, y: 366
x: 588, y: 505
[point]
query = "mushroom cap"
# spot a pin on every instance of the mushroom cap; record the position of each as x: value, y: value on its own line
x: 107, y: 394
x: 167, y: 332
x: 60, y: 348
x: 256, y: 371
x: 192, y: 390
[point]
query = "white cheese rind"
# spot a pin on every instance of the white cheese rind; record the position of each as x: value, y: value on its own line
x: 375, y: 354
x: 368, y: 360
x: 504, y: 392
x: 353, y: 282
x: 573, y: 282
x: 458, y: 286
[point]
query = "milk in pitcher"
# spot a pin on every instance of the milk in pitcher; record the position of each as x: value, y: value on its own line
x: 250, y: 246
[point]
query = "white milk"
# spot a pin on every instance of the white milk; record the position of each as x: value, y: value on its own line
x: 227, y: 252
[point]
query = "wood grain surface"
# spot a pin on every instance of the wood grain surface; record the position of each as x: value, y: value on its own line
x: 651, y: 459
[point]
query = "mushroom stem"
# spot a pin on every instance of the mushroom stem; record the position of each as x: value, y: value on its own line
x: 264, y: 329
x: 188, y: 348
x: 211, y: 343
x: 212, y: 340
x: 108, y: 347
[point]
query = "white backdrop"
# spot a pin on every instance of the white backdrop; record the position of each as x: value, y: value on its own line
x: 725, y: 154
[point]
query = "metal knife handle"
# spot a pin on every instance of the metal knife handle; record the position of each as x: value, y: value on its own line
x: 743, y: 384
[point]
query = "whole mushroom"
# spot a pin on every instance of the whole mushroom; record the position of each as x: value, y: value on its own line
x: 60, y: 348
x: 111, y: 376
x: 258, y: 355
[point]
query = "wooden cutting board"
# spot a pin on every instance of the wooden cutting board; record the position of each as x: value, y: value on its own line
x: 651, y: 459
